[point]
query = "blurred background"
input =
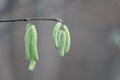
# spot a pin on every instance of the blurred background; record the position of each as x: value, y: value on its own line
x: 95, y: 40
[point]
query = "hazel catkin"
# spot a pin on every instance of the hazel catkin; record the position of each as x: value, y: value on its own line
x: 55, y: 34
x: 68, y: 40
x: 62, y: 44
x: 34, y: 51
x: 27, y: 41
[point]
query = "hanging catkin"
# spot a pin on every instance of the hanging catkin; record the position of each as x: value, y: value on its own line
x: 62, y: 44
x: 68, y: 41
x: 55, y: 34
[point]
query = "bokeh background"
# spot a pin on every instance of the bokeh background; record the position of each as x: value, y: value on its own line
x: 95, y: 43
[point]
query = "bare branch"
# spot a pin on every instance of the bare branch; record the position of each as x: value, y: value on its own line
x: 32, y: 19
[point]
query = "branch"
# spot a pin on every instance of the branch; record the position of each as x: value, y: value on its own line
x: 32, y: 19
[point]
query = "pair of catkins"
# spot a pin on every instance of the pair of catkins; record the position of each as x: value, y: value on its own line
x: 60, y: 37
x: 31, y: 45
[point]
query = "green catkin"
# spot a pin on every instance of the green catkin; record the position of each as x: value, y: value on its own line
x: 32, y: 65
x: 34, y: 51
x: 59, y: 35
x: 62, y: 44
x: 27, y: 41
x: 68, y: 40
x: 55, y: 34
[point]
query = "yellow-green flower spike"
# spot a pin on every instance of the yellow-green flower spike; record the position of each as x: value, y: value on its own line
x: 59, y: 36
x: 68, y: 40
x: 62, y: 44
x: 27, y: 41
x: 55, y: 34
x: 34, y: 51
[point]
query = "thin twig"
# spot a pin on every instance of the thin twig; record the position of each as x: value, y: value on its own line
x: 31, y: 19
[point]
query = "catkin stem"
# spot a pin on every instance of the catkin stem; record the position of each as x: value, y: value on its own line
x: 31, y: 19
